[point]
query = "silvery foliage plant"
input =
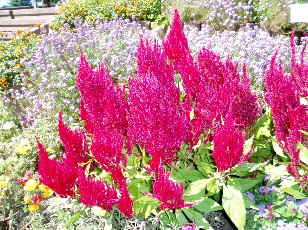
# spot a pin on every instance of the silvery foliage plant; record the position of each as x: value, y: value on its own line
x: 50, y: 82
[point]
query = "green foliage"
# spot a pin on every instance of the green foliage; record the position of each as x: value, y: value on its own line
x: 11, y: 54
x: 90, y: 10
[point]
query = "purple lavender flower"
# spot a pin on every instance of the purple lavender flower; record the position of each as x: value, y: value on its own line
x: 261, y: 208
x: 251, y: 196
x: 264, y: 190
x: 303, y: 205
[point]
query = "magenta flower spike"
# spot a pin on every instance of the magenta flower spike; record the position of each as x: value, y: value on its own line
x: 228, y: 145
x: 74, y: 142
x: 96, y: 193
x: 168, y: 192
x: 155, y: 118
x: 60, y: 177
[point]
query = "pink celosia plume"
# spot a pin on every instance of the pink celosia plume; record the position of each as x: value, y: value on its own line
x: 58, y: 176
x: 96, y: 193
x: 155, y: 120
x: 168, y: 192
x: 228, y: 145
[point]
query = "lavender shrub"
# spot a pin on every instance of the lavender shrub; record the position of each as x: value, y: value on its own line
x: 50, y: 84
x: 252, y: 46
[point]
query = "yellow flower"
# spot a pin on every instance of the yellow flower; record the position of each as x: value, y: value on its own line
x: 3, y: 184
x: 22, y: 149
x: 1, y: 103
x: 31, y: 185
x: 33, y: 208
x: 47, y: 192
x: 27, y: 200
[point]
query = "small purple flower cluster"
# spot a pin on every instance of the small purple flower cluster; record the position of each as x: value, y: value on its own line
x: 250, y: 45
x: 226, y: 14
x: 51, y: 77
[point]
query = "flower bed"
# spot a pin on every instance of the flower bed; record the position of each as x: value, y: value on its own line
x: 162, y: 138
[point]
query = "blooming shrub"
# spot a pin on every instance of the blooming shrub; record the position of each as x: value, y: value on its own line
x: 220, y: 15
x: 152, y: 122
x: 11, y: 54
x: 252, y: 46
x: 283, y: 94
x: 49, y: 82
x: 90, y: 10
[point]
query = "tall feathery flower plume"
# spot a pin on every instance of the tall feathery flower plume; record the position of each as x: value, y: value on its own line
x: 96, y: 193
x: 104, y: 107
x: 228, y: 145
x: 58, y: 176
x: 212, y: 87
x: 155, y: 116
x: 61, y: 175
x: 168, y: 192
x: 283, y: 94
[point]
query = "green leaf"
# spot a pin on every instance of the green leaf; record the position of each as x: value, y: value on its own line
x: 74, y: 218
x: 234, y: 205
x: 277, y: 148
x: 248, y: 145
x: 304, y: 132
x: 98, y: 211
x: 276, y: 172
x: 242, y: 184
x: 248, y: 202
x: 247, y: 168
x: 108, y: 225
x: 303, y: 154
x: 144, y: 206
x: 197, y: 218
x: 292, y: 187
x: 181, y: 218
x: 263, y: 132
x: 187, y: 175
x: 208, y: 205
x: 197, y: 186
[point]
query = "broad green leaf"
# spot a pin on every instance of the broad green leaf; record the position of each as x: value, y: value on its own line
x: 303, y: 154
x: 248, y: 145
x: 197, y: 218
x: 292, y: 187
x: 248, y: 202
x: 187, y: 175
x: 208, y: 205
x: 74, y: 218
x: 277, y: 148
x: 242, y: 184
x: 234, y: 205
x: 197, y: 186
x: 181, y: 218
x: 246, y: 168
x: 263, y: 132
x: 144, y: 206
x: 276, y: 172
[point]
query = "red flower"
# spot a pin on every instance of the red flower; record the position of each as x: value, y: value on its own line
x: 228, y: 145
x: 38, y: 199
x: 168, y: 192
x: 58, y: 176
x: 75, y: 144
x: 105, y: 105
x: 155, y: 116
x: 125, y: 202
x: 96, y: 193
